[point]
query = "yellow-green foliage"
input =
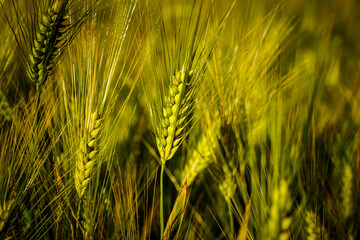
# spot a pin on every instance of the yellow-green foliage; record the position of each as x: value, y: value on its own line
x: 256, y: 104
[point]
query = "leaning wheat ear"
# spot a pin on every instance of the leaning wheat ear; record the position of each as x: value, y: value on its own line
x: 5, y: 208
x: 87, y: 156
x: 45, y: 45
x: 175, y: 116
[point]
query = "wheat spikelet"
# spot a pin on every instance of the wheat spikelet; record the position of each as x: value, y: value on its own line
x: 44, y: 46
x: 5, y: 212
x: 279, y: 221
x: 178, y: 106
x: 86, y: 220
x: 86, y: 157
x: 346, y: 193
x: 5, y: 109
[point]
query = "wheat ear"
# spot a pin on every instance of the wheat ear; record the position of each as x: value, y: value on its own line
x: 178, y: 106
x: 5, y: 109
x: 346, y: 193
x: 44, y: 46
x: 5, y: 212
x: 280, y: 220
x: 86, y: 157
x: 312, y: 228
x: 199, y: 160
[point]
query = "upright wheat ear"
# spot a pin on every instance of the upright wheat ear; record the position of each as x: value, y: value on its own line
x: 346, y: 193
x: 86, y: 157
x: 44, y: 46
x: 175, y: 114
x: 312, y: 228
x: 280, y: 221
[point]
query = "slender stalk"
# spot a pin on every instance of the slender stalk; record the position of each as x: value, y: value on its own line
x: 37, y: 103
x: 161, y: 201
x: 232, y: 231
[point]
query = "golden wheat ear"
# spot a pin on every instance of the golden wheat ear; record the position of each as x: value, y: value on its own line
x: 175, y: 117
x: 43, y: 35
x: 46, y: 43
x: 87, y: 156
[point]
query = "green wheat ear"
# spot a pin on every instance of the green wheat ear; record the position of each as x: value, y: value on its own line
x: 199, y: 160
x: 87, y: 156
x: 5, y: 212
x: 280, y: 221
x: 5, y: 109
x: 45, y: 45
x: 311, y: 227
x: 178, y: 106
x: 346, y: 193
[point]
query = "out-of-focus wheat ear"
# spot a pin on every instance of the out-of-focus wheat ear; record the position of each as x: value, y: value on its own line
x: 280, y: 218
x: 175, y: 117
x: 45, y: 45
x: 199, y: 160
x: 228, y: 186
x: 312, y: 229
x: 5, y: 209
x: 87, y: 155
x: 346, y: 193
x: 5, y: 109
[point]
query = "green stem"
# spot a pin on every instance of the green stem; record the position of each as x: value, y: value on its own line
x: 161, y: 201
x: 37, y: 103
x: 232, y: 231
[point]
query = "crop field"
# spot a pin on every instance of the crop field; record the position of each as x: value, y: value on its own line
x: 180, y: 119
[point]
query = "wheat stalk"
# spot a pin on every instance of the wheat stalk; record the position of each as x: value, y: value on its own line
x: 178, y: 107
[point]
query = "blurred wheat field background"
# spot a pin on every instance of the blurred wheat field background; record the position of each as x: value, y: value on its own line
x: 179, y: 119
